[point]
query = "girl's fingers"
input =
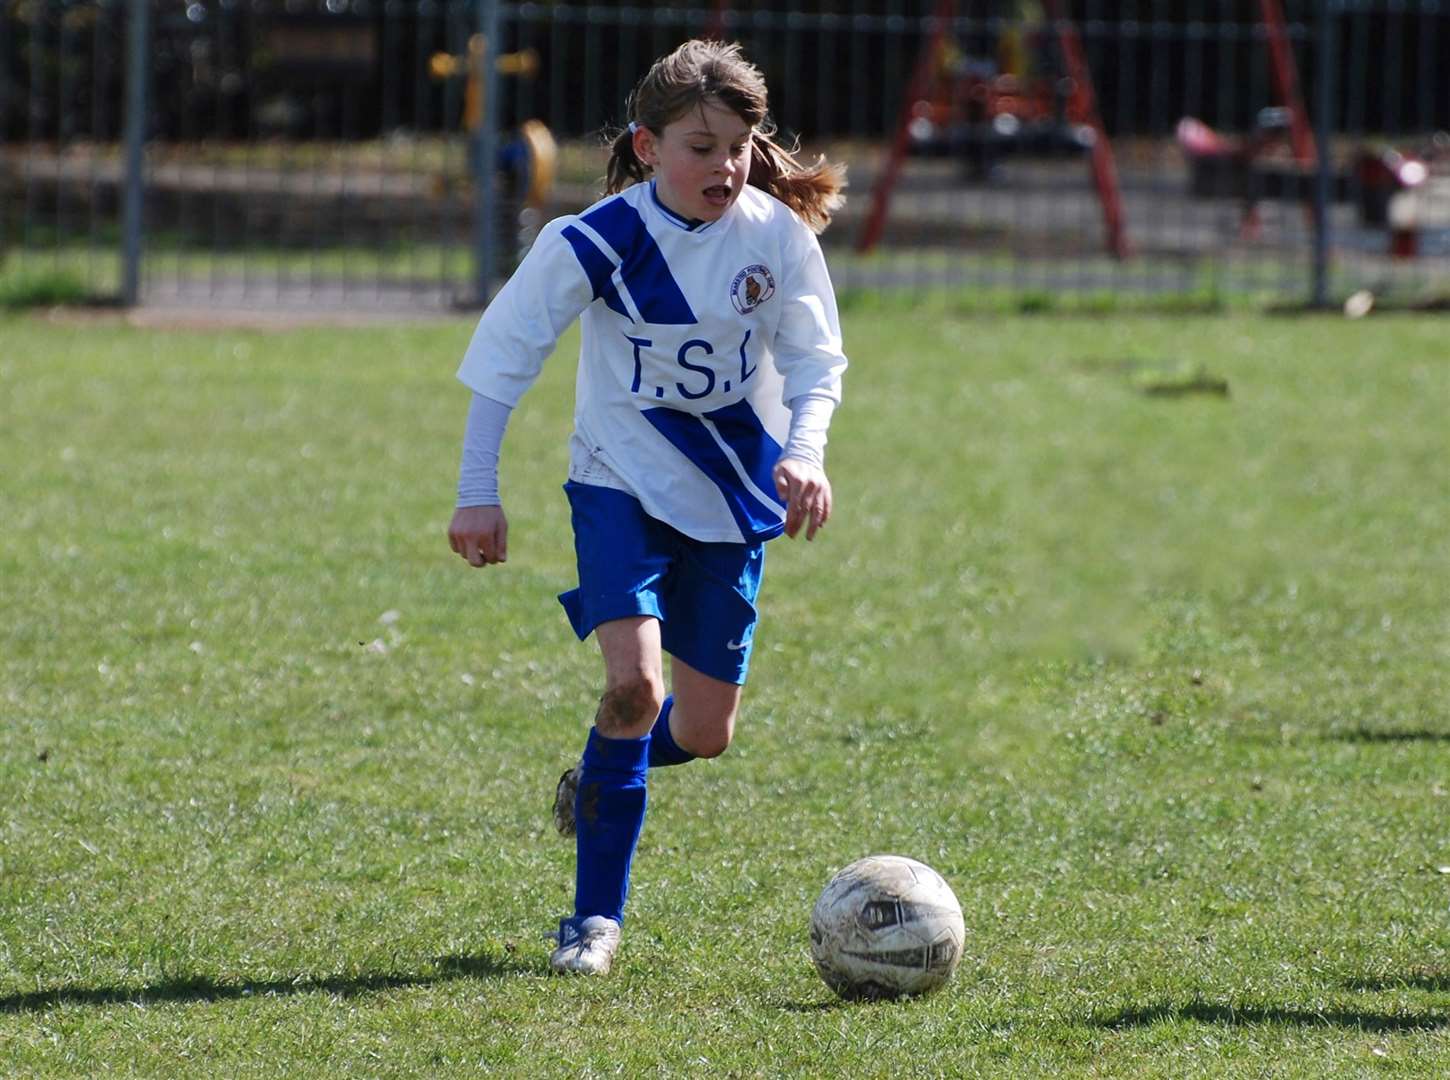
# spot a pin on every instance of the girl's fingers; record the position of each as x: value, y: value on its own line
x: 798, y: 512
x: 820, y: 511
x: 472, y: 549
x: 807, y: 499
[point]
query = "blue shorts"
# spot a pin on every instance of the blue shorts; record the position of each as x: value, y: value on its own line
x: 631, y: 564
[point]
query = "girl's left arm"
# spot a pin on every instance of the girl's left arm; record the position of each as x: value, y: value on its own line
x: 800, y: 474
x: 808, y: 337
x: 809, y: 355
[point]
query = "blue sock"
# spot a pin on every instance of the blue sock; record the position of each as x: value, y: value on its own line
x: 663, y: 750
x: 608, y: 815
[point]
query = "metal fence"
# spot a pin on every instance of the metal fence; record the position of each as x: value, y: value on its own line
x: 400, y: 153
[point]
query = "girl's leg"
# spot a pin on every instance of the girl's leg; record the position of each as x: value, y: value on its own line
x: 610, y: 803
x: 702, y: 727
x: 702, y: 722
x: 715, y: 704
x: 633, y: 676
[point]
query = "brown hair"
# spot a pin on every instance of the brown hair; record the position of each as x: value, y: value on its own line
x: 700, y: 71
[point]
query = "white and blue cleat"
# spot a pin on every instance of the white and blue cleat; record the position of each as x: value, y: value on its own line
x: 586, y: 946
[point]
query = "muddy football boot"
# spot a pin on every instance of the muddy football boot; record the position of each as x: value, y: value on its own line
x: 564, y: 796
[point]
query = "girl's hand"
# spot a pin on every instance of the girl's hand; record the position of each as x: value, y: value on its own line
x: 480, y: 534
x: 807, y: 495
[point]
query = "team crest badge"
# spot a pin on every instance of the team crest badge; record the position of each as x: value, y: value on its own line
x: 752, y: 287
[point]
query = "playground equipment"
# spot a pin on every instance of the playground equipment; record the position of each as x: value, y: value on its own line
x: 981, y: 110
x: 1279, y: 159
x: 527, y: 158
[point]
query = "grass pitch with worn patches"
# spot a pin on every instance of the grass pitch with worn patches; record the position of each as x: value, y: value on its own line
x: 1157, y: 681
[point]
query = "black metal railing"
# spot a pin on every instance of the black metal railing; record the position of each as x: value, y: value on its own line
x: 382, y: 152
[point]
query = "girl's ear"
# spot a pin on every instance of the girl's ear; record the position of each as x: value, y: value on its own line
x: 645, y: 148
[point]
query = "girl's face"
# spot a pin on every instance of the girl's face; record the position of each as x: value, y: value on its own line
x: 700, y: 160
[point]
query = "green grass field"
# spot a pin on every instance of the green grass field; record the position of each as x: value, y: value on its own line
x: 1157, y: 680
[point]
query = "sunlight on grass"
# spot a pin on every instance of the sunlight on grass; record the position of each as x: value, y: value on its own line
x: 1155, y: 678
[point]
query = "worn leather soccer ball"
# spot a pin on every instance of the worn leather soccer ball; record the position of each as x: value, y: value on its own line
x: 886, y: 926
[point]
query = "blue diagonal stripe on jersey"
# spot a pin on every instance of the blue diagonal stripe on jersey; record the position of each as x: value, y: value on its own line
x: 688, y: 435
x: 646, y: 274
x: 743, y: 432
x: 597, y: 268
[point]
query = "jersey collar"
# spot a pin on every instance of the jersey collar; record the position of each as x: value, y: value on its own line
x: 693, y: 225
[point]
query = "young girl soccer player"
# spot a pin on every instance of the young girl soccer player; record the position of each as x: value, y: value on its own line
x: 709, y: 369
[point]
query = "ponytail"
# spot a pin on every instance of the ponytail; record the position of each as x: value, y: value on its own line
x: 812, y: 191
x: 625, y: 168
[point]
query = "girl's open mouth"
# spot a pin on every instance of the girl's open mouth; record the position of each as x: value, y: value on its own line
x: 719, y: 194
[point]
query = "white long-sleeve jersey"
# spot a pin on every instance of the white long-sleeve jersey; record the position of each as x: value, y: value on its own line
x: 694, y: 337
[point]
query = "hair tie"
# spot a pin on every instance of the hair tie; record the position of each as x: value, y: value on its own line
x: 633, y: 127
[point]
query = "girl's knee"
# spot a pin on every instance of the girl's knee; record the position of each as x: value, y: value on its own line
x: 713, y: 743
x: 705, y: 732
x: 629, y: 706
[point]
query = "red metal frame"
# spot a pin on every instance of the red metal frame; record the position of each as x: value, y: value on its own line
x: 926, y: 64
x: 1105, y: 168
x: 1286, y: 81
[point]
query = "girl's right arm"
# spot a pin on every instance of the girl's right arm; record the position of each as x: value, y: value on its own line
x: 525, y: 320
x: 508, y: 349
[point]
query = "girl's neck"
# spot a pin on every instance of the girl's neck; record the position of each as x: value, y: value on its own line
x: 688, y: 222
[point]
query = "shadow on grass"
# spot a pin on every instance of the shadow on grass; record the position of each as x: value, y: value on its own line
x: 1404, y: 735
x: 1417, y: 980
x: 828, y: 1005
x: 865, y: 1001
x: 202, y: 988
x: 1206, y: 1013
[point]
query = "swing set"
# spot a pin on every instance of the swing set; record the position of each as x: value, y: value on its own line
x: 981, y: 111
x: 1280, y: 158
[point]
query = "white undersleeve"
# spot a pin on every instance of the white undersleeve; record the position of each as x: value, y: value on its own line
x: 810, y: 417
x: 482, y: 439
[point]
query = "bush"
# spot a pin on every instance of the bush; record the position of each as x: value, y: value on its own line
x: 40, y: 288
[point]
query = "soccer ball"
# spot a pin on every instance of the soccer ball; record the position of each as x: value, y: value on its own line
x: 884, y: 926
